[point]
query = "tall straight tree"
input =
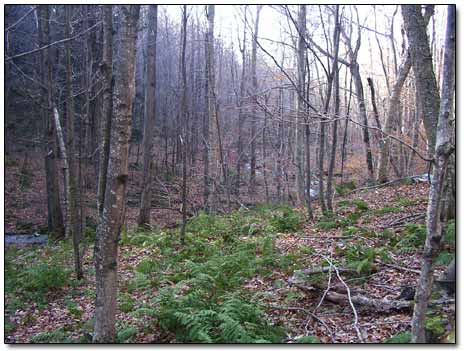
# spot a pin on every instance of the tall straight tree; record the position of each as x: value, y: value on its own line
x: 241, y: 103
x: 254, y: 87
x: 55, y: 215
x: 212, y: 141
x: 184, y: 119
x: 300, y: 107
x: 436, y: 210
x: 149, y: 117
x: 336, y: 92
x: 72, y: 226
x: 107, y: 103
x: 112, y: 217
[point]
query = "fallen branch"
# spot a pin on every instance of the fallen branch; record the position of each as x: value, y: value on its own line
x: 378, y: 305
x: 401, y: 268
x: 355, y: 313
x: 404, y: 220
x: 321, y: 270
x: 379, y: 185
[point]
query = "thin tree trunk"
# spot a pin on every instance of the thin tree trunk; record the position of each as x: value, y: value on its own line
x: 149, y: 118
x: 300, y: 109
x: 436, y: 210
x: 184, y: 123
x: 111, y: 219
x: 69, y: 201
x: 254, y: 87
x: 55, y: 215
x: 336, y: 92
x: 73, y: 227
x: 107, y: 103
x: 241, y: 113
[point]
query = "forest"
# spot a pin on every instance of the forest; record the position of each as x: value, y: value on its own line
x: 229, y: 174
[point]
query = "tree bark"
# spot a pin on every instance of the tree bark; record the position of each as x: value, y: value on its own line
x: 184, y: 123
x: 436, y: 210
x: 107, y: 103
x: 73, y: 227
x: 55, y: 215
x: 111, y: 219
x: 393, y: 105
x: 300, y: 107
x: 254, y: 87
x: 336, y: 92
x: 426, y: 83
x: 149, y: 117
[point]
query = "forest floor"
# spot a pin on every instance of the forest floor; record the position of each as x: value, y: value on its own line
x: 247, y: 276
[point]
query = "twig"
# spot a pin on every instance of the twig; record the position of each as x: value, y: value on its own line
x: 402, y: 221
x: 355, y: 313
x: 52, y: 44
x: 379, y: 185
x: 399, y: 267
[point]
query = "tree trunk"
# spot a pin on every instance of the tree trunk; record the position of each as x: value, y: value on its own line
x: 71, y: 218
x: 354, y: 68
x: 300, y: 108
x: 212, y: 130
x: 107, y: 103
x: 393, y: 105
x: 436, y: 210
x: 149, y: 118
x: 73, y: 227
x: 336, y: 92
x: 55, y: 215
x: 111, y: 219
x: 254, y: 87
x: 241, y: 113
x: 426, y: 83
x: 184, y: 124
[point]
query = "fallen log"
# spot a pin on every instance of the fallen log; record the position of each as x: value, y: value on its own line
x: 378, y: 305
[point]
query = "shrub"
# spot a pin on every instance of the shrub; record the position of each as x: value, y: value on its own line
x: 361, y: 205
x: 401, y: 338
x: 126, y: 334
x: 146, y: 266
x: 44, y: 277
x: 413, y: 237
x: 56, y: 336
x: 126, y: 303
x: 402, y: 201
x: 232, y: 320
x: 450, y: 234
x: 286, y: 220
x: 444, y: 258
x: 308, y: 340
x: 346, y: 187
x: 385, y: 210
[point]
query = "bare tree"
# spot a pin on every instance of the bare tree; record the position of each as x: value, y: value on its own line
x: 111, y: 219
x: 149, y: 117
x: 73, y: 227
x: 336, y: 92
x: 184, y: 118
x: 107, y: 103
x: 300, y: 108
x: 436, y: 210
x: 393, y: 105
x: 55, y: 215
x: 254, y: 87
